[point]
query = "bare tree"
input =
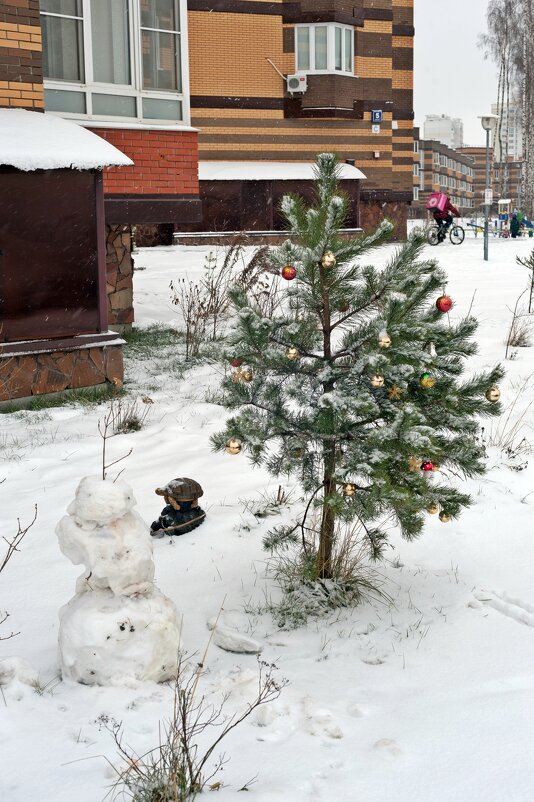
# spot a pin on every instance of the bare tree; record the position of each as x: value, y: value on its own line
x: 12, y: 547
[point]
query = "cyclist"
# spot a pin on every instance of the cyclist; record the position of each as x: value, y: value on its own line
x: 444, y: 218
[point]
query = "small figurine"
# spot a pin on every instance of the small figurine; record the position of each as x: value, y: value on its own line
x: 182, y: 513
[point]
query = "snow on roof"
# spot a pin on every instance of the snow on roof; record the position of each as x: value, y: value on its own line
x: 267, y: 171
x: 31, y: 140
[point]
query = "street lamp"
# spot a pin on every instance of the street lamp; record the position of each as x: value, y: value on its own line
x: 488, y: 124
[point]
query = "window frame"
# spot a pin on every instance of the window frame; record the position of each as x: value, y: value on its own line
x: 90, y: 87
x: 330, y: 49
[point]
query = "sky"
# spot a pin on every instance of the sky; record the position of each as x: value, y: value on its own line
x: 451, y: 75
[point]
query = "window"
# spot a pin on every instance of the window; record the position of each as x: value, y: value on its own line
x: 421, y: 180
x: 109, y: 59
x: 325, y: 48
x: 436, y: 159
x: 416, y: 193
x: 416, y: 169
x: 416, y: 146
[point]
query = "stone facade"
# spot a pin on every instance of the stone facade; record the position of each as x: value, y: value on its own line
x: 25, y: 375
x: 119, y: 273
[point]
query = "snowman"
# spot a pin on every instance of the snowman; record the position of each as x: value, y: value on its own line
x: 118, y: 628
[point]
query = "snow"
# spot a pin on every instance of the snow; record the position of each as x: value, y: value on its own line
x: 267, y: 171
x: 428, y: 698
x: 118, y: 629
x: 31, y: 140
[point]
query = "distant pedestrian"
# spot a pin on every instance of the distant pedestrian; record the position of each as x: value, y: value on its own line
x: 514, y: 226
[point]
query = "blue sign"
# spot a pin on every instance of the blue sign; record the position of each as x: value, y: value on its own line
x: 376, y: 116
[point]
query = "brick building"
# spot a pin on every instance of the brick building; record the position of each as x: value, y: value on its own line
x: 438, y: 168
x: 352, y: 58
x: 478, y: 154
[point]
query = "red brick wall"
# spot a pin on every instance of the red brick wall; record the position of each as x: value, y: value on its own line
x: 165, y: 162
x: 21, y: 58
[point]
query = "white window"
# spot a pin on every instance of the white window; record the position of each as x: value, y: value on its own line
x: 116, y: 59
x: 436, y: 159
x: 421, y: 180
x: 416, y: 146
x: 443, y: 161
x: 422, y: 158
x: 416, y: 168
x: 416, y: 193
x: 325, y: 48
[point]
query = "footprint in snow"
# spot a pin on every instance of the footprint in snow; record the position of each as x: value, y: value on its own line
x: 389, y: 746
x: 507, y: 605
x: 373, y: 661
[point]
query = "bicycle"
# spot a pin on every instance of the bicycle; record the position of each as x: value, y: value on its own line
x: 456, y: 234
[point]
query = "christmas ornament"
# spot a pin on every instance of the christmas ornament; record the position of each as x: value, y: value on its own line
x: 436, y: 466
x: 427, y: 381
x: 292, y: 353
x: 427, y: 466
x: 384, y: 341
x: 433, y: 508
x: 444, y: 517
x: 328, y: 259
x: 493, y: 394
x: 394, y: 393
x: 414, y: 465
x: 444, y: 303
x: 377, y: 380
x: 289, y: 272
x: 349, y: 489
x: 236, y: 362
x: 233, y: 446
x: 246, y: 376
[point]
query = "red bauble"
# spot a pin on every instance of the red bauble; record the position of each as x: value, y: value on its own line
x: 444, y: 303
x: 289, y: 272
x: 236, y: 362
x: 427, y: 466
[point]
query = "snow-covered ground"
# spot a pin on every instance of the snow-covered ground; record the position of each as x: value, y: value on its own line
x: 429, y: 699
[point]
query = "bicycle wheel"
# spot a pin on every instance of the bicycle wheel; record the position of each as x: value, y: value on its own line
x: 457, y: 235
x: 433, y: 235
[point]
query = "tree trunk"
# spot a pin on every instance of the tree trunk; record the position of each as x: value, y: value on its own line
x: 328, y: 519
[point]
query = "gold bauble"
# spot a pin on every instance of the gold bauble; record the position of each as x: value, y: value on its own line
x: 377, y: 380
x: 384, y: 341
x: 233, y: 446
x: 328, y: 259
x: 444, y: 517
x: 292, y: 353
x: 433, y: 508
x: 246, y: 376
x: 414, y: 464
x: 349, y: 489
x: 493, y: 394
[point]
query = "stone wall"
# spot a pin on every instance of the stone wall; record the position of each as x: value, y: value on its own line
x: 24, y: 375
x: 119, y: 277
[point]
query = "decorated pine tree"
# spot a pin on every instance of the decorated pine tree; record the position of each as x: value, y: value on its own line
x: 354, y: 385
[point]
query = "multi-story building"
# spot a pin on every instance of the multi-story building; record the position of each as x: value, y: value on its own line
x: 507, y: 137
x: 438, y: 168
x: 448, y: 131
x: 276, y: 83
x: 507, y: 180
x: 478, y: 156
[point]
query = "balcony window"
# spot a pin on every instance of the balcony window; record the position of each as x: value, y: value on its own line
x: 325, y: 48
x: 115, y: 59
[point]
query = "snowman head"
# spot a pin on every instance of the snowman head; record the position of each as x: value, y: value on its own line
x: 99, y: 501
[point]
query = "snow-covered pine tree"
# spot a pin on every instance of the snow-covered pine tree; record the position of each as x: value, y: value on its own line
x: 354, y: 385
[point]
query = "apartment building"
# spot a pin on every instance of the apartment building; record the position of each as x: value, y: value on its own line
x: 507, y: 137
x: 438, y: 168
x: 449, y: 131
x: 478, y: 155
x: 273, y: 84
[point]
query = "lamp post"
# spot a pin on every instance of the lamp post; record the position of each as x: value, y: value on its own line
x: 488, y: 124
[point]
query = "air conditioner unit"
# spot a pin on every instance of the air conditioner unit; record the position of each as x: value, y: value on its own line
x: 296, y: 83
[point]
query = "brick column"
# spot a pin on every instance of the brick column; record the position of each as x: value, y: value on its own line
x: 21, y: 57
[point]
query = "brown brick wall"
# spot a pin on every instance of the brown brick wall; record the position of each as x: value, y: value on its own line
x: 165, y: 162
x: 21, y: 63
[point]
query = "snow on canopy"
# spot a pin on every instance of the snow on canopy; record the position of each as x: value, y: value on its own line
x: 31, y: 140
x: 267, y: 171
